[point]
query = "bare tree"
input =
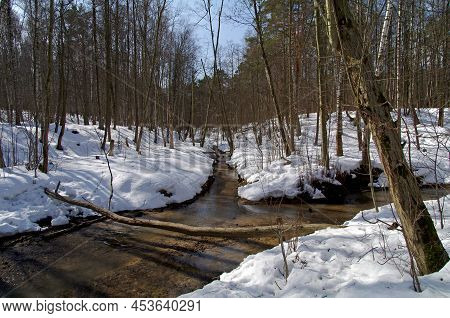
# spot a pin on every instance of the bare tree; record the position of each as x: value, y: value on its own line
x: 259, y: 30
x: 62, y: 77
x: 321, y: 48
x: 48, y: 89
x: 384, y: 37
x: 418, y: 227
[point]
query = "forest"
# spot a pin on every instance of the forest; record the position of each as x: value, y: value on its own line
x: 319, y: 144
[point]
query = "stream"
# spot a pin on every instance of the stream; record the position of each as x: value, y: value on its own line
x: 106, y: 259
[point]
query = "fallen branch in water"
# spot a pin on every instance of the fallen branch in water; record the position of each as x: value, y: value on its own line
x: 242, y: 232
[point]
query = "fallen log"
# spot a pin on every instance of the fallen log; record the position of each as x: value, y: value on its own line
x: 232, y: 232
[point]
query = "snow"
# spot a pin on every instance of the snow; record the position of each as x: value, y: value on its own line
x: 277, y: 181
x: 153, y: 179
x: 60, y: 220
x: 359, y: 260
x: 269, y: 176
x: 346, y: 164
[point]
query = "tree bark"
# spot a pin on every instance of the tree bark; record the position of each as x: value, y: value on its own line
x: 418, y: 227
x: 339, y: 131
x: 398, y: 89
x: 359, y: 133
x: 2, y: 160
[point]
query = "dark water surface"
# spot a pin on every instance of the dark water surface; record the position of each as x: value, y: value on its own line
x: 116, y: 260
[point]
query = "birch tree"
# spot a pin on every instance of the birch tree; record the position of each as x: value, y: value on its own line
x: 384, y: 37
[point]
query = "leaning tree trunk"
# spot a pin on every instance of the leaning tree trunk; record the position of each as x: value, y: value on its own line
x: 270, y: 82
x: 418, y: 227
x: 230, y: 232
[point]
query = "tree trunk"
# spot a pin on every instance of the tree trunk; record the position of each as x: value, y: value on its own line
x: 339, y: 131
x: 11, y: 64
x: 359, y: 133
x: 2, y: 160
x: 36, y: 83
x: 116, y: 66
x: 259, y: 31
x: 191, y: 118
x: 96, y: 62
x: 321, y: 48
x: 236, y: 232
x: 398, y: 89
x: 111, y: 148
x: 365, y: 149
x: 293, y: 117
x: 87, y: 86
x: 108, y: 82
x: 418, y: 227
x: 384, y: 37
x: 161, y: 9
x: 48, y: 89
x: 441, y: 116
x: 62, y: 77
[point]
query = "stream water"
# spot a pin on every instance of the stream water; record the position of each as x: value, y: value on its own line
x: 116, y: 260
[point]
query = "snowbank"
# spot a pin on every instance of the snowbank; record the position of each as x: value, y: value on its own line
x: 269, y: 176
x: 154, y: 179
x: 360, y: 260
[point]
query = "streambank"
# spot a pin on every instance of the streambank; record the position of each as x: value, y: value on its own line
x: 107, y: 259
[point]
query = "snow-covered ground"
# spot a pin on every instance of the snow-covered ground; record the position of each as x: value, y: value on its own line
x: 359, y: 260
x: 269, y: 176
x: 154, y: 179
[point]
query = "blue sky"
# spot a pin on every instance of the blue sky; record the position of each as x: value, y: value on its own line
x: 193, y: 10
